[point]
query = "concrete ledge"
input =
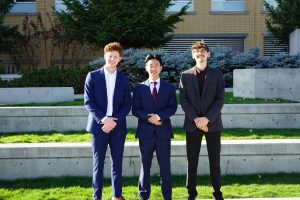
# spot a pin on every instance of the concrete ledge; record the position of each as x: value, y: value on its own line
x: 74, y: 118
x: 9, y: 77
x: 75, y: 159
x: 36, y: 95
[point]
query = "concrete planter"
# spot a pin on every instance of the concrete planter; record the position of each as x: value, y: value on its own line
x: 267, y: 83
x: 36, y: 95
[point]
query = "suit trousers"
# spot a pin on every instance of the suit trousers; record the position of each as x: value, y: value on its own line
x: 99, y: 147
x: 162, y: 147
x: 193, y: 146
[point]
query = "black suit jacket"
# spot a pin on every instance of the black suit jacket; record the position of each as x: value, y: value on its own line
x: 208, y: 105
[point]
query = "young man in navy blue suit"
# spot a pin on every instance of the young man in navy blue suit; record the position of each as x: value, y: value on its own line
x: 154, y: 102
x: 108, y: 101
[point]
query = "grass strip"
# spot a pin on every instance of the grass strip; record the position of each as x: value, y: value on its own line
x: 179, y: 134
x: 228, y: 99
x: 80, y: 188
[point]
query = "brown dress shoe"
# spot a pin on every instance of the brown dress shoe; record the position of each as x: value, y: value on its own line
x: 118, y: 198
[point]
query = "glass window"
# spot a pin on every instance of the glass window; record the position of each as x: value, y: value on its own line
x: 228, y: 5
x: 272, y: 3
x: 178, y: 4
x: 59, y: 5
x: 24, y: 6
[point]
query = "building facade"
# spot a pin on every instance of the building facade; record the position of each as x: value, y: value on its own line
x: 239, y: 24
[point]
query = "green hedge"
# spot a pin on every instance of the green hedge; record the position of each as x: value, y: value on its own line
x: 51, y: 77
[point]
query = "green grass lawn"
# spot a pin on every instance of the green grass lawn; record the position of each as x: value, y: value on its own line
x: 79, y: 188
x: 229, y: 99
x: 233, y: 134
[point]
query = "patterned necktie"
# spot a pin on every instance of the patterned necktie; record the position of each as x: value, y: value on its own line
x: 154, y: 92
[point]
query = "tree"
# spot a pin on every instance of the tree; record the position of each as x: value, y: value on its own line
x: 134, y: 23
x: 6, y: 32
x: 283, y: 19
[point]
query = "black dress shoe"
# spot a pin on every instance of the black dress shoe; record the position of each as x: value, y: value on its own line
x: 218, y: 198
x: 191, y: 198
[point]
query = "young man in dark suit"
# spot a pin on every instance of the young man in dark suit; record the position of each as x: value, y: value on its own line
x: 202, y: 98
x: 108, y: 101
x: 154, y: 102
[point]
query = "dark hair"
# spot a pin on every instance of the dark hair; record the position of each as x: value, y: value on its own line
x: 156, y: 57
x: 200, y: 45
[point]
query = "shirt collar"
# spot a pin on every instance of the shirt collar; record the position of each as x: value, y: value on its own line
x: 157, y: 81
x: 199, y: 71
x: 106, y: 72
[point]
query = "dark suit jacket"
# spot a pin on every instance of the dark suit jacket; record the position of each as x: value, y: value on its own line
x: 95, y: 100
x: 208, y: 105
x: 165, y: 107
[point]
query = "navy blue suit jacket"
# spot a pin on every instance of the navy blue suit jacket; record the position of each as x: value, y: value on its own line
x: 165, y: 106
x: 95, y: 100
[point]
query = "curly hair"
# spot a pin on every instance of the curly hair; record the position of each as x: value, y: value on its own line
x: 113, y: 46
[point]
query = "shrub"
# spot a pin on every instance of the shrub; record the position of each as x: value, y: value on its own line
x: 51, y: 77
x: 132, y: 64
x: 222, y: 58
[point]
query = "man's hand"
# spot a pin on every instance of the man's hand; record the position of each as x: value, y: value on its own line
x: 205, y: 129
x: 109, y: 124
x: 153, y: 119
x: 201, y: 123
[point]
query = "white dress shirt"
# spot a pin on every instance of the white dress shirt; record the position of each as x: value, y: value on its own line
x: 151, y: 84
x: 110, y: 80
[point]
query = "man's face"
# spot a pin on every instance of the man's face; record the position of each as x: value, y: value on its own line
x: 153, y: 68
x: 200, y: 55
x: 112, y: 59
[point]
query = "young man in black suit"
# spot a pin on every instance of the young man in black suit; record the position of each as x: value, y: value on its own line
x: 202, y: 98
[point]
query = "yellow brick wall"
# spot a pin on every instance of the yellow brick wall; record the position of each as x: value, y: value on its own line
x: 43, y: 7
x: 199, y: 22
x: 202, y: 22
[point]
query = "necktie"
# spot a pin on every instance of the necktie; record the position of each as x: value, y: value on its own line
x: 154, y: 91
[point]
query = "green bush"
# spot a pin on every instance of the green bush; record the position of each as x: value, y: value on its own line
x: 223, y: 58
x: 51, y: 77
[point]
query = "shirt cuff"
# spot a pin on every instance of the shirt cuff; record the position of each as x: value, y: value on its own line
x: 103, y: 119
x: 157, y: 117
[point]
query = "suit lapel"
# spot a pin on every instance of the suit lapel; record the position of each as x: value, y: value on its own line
x: 148, y: 92
x: 103, y: 83
x: 117, y: 88
x: 207, y: 79
x: 161, y: 90
x: 195, y: 80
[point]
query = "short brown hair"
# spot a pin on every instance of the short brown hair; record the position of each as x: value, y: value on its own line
x: 113, y: 46
x: 200, y: 45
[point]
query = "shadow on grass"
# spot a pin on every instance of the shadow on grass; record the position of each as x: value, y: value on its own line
x: 178, y: 181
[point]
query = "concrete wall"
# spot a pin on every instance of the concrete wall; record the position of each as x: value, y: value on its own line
x: 75, y: 159
x: 267, y: 83
x: 294, y: 43
x: 36, y: 95
x: 62, y: 118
